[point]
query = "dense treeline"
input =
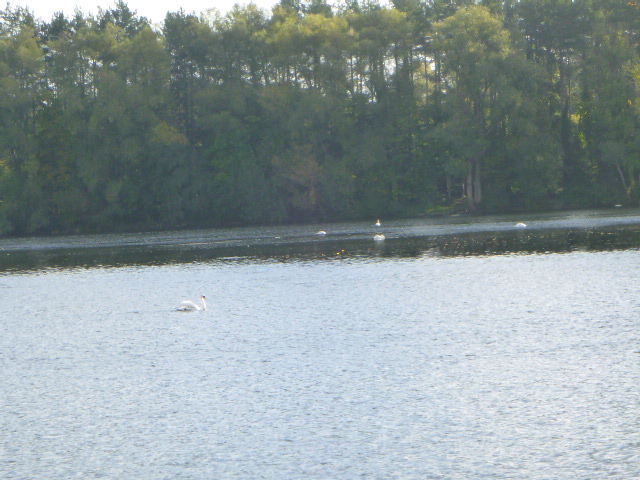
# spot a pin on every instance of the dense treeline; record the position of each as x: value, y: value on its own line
x: 316, y: 112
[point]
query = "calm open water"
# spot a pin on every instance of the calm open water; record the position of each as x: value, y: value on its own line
x: 455, y: 349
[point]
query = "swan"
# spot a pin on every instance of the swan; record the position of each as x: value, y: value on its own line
x: 378, y: 238
x: 321, y: 232
x: 521, y: 225
x: 189, y: 306
x: 378, y: 223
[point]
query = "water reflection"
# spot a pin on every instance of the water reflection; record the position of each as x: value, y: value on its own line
x: 407, y: 239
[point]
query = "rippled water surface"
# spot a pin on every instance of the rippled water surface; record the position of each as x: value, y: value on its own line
x: 451, y: 350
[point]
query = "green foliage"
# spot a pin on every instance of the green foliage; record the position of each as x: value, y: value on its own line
x: 316, y: 112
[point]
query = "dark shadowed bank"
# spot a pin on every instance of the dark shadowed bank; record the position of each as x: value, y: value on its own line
x: 593, y: 231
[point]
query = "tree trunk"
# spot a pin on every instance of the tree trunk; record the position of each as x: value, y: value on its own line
x: 623, y: 178
x: 473, y: 186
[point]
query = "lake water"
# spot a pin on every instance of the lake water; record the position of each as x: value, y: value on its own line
x: 459, y: 348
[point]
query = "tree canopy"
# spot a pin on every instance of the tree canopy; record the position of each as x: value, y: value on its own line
x: 315, y: 112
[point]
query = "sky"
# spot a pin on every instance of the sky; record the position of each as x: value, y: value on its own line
x: 154, y: 10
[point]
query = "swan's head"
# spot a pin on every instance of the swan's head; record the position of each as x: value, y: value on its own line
x: 204, y: 304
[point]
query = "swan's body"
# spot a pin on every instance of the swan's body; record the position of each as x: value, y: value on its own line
x: 378, y: 238
x: 378, y: 223
x: 521, y: 225
x: 189, y: 306
x: 321, y: 232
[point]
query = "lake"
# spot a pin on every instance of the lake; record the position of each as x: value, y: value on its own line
x: 456, y: 348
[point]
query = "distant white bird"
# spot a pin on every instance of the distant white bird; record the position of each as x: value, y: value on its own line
x: 321, y: 232
x: 521, y: 225
x: 378, y: 223
x: 189, y: 306
x: 378, y: 238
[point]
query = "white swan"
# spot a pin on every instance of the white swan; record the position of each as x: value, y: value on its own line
x: 521, y: 225
x: 378, y: 238
x: 321, y: 232
x: 378, y: 223
x: 189, y: 306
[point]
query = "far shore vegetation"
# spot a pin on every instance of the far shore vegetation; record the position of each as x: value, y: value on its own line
x: 316, y: 112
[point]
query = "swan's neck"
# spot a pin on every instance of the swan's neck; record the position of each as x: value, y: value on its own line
x: 204, y: 304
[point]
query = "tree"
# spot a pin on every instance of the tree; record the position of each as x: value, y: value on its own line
x: 243, y: 46
x: 488, y: 98
x: 21, y: 99
x: 189, y: 42
x: 609, y: 120
x: 121, y: 16
x: 475, y: 47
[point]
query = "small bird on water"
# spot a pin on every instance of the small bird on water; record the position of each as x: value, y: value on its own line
x: 189, y: 306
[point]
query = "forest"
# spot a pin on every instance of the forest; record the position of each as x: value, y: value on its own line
x: 316, y: 112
